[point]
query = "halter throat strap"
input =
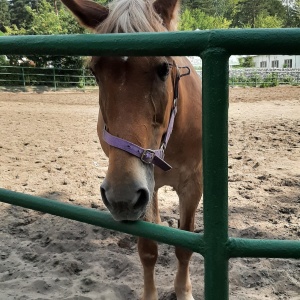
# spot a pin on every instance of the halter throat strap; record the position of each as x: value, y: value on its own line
x: 149, y: 156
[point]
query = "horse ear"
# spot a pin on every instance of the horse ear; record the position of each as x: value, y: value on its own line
x: 168, y: 11
x: 89, y: 13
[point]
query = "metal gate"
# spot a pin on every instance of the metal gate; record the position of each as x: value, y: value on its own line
x: 214, y: 47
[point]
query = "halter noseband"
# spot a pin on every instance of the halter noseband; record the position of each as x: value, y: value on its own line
x: 149, y: 156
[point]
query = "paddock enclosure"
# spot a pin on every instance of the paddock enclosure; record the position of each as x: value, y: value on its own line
x: 52, y: 151
x: 263, y: 171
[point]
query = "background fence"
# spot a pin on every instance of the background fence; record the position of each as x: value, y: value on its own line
x: 55, y: 79
x: 49, y: 78
x: 263, y: 77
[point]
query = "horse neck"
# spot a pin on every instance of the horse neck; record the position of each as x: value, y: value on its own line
x: 189, y: 112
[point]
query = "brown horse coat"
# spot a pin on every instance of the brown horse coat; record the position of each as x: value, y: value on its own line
x: 136, y: 96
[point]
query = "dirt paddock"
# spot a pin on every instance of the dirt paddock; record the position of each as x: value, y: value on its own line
x: 49, y: 147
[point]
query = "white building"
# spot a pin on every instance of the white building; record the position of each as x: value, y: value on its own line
x: 277, y: 61
x: 197, y: 61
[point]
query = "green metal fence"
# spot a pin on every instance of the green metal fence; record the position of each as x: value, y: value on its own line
x: 261, y: 77
x: 47, y: 78
x: 33, y: 78
x: 214, y: 47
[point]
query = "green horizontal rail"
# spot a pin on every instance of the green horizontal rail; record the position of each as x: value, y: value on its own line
x: 240, y: 247
x: 171, y: 236
x: 236, y: 247
x: 235, y: 41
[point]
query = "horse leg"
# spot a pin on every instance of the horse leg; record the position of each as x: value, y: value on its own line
x: 189, y: 197
x: 148, y: 252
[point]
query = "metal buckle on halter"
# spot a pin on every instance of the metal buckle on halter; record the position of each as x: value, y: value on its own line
x: 148, y: 156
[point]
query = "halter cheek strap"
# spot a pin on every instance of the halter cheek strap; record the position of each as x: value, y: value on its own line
x: 149, y: 156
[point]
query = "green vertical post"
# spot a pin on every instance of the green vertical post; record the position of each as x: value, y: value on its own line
x: 215, y: 169
x: 83, y: 76
x: 54, y: 78
x: 23, y: 77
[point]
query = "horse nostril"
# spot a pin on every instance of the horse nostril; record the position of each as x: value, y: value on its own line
x: 123, y: 203
x: 142, y: 200
x: 104, y: 198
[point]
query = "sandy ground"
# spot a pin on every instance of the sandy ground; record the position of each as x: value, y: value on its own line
x: 49, y: 148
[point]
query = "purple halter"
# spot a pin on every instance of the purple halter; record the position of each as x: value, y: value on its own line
x: 149, y: 156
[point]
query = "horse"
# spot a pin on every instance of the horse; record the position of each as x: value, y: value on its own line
x: 149, y: 126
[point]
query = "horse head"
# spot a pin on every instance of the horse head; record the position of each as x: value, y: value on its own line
x: 136, y: 97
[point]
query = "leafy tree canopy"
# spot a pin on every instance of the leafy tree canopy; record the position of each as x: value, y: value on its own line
x: 18, y: 13
x: 4, y: 14
x: 264, y: 20
x: 246, y: 62
x: 293, y: 15
x: 45, y: 20
x: 247, y: 11
x: 197, y: 19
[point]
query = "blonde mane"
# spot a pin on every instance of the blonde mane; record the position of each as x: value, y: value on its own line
x: 129, y: 16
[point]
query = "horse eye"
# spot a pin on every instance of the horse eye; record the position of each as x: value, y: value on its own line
x: 163, y: 71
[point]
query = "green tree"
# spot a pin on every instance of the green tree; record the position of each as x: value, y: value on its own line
x: 19, y: 16
x: 276, y: 8
x: 246, y: 62
x: 3, y: 60
x: 293, y: 15
x: 263, y: 20
x: 45, y: 20
x: 222, y: 8
x: 247, y: 11
x: 103, y: 2
x: 206, y: 6
x: 197, y: 19
x: 4, y: 14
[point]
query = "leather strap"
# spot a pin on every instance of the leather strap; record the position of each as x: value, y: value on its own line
x: 149, y: 156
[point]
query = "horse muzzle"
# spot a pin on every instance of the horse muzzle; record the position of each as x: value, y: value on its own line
x: 127, y: 202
